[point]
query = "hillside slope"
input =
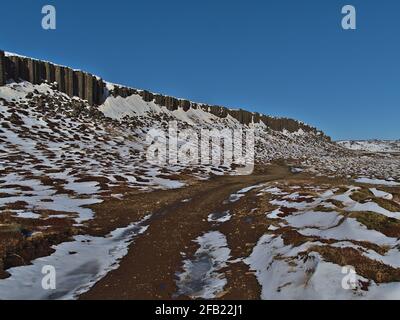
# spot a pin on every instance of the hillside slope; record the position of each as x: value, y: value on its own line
x: 388, y: 146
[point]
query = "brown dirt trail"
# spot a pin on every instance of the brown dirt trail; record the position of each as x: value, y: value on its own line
x: 148, y: 270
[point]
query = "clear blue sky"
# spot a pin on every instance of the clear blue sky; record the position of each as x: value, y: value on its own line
x: 280, y: 57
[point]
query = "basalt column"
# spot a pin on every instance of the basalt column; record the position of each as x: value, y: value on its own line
x: 50, y: 72
x: 60, y: 78
x: 32, y: 71
x: 80, y: 77
x: 2, y: 69
x: 89, y: 88
x: 69, y: 82
x: 18, y: 69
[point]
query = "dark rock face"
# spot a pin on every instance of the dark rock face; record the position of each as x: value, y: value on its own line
x: 69, y: 82
x: 147, y: 96
x: 2, y: 69
x: 80, y: 83
x: 60, y: 78
x: 159, y: 99
x: 50, y: 72
x: 184, y: 104
x: 73, y: 83
x: 123, y: 92
x: 90, y: 88
x: 171, y: 103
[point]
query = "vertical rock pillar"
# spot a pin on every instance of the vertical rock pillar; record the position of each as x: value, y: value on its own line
x: 60, y: 78
x: 69, y: 82
x: 81, y: 84
x: 50, y: 73
x: 2, y: 69
x: 89, y: 88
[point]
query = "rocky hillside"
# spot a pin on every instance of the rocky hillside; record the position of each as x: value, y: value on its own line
x: 95, y: 91
x: 53, y: 95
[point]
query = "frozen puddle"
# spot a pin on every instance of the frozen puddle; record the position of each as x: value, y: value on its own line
x: 241, y: 193
x: 200, y: 278
x: 79, y: 265
x: 234, y: 198
x: 219, y: 217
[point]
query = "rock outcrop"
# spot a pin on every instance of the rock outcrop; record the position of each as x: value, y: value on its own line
x: 2, y: 69
x: 93, y: 89
x: 72, y: 82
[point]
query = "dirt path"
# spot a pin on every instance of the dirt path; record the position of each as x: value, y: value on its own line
x: 148, y: 270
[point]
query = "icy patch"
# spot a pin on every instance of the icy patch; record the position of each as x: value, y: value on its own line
x: 233, y: 198
x: 241, y: 193
x: 200, y: 278
x: 248, y: 189
x: 273, y: 190
x: 219, y: 217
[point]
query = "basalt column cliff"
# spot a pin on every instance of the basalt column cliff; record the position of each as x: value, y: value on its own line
x: 93, y: 89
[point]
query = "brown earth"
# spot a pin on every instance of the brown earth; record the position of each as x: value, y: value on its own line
x: 148, y: 270
x: 178, y: 217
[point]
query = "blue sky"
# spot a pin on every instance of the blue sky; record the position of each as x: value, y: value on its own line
x: 279, y: 57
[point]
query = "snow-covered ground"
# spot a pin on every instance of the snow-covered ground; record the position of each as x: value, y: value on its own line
x: 78, y: 265
x: 200, y: 277
x: 372, y: 145
x: 310, y: 250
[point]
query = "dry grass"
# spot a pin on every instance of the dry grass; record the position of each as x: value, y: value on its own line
x: 388, y: 204
x: 362, y: 195
x: 368, y: 268
x: 374, y: 221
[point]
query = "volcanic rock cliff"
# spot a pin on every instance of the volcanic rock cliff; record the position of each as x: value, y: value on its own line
x: 93, y: 89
